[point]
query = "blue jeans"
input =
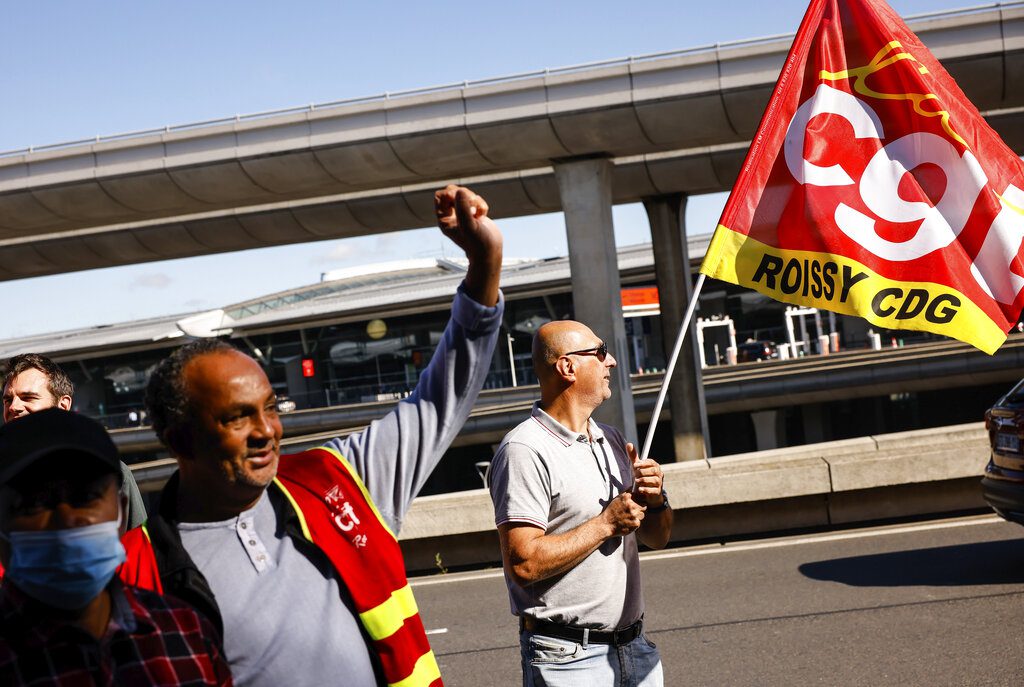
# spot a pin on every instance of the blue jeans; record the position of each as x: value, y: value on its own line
x: 552, y: 662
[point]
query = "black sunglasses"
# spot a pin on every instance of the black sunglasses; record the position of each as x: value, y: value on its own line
x: 600, y: 351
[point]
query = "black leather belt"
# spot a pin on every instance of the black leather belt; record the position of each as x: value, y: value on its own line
x: 575, y: 634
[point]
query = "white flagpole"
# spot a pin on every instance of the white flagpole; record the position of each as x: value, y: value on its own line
x: 672, y: 365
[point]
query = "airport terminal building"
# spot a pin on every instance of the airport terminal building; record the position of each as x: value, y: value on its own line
x: 341, y: 351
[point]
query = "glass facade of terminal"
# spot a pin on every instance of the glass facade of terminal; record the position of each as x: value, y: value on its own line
x: 380, y: 359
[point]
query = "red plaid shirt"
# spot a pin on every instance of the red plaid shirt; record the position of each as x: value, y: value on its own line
x: 151, y: 640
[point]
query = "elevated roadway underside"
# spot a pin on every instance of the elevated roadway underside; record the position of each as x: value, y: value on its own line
x: 671, y: 123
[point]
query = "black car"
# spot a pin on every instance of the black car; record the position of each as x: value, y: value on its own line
x: 1003, y: 483
x: 750, y: 351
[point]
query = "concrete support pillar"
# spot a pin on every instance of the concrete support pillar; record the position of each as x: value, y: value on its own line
x: 766, y: 429
x: 675, y: 287
x: 585, y: 187
x: 816, y: 425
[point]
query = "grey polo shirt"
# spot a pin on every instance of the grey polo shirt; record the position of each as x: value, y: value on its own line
x: 549, y: 477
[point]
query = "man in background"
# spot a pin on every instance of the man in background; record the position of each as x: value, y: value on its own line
x: 32, y: 383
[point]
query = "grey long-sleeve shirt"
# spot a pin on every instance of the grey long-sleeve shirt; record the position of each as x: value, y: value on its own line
x: 396, y: 454
x: 283, y: 622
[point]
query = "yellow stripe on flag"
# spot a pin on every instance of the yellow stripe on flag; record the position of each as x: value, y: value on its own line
x: 842, y: 285
x: 425, y: 672
x: 387, y: 618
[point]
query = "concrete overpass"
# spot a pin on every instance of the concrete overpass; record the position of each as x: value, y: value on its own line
x: 670, y: 123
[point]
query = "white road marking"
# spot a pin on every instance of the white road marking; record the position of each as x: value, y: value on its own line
x: 749, y: 546
x: 454, y: 577
x: 820, y: 538
x: 438, y: 631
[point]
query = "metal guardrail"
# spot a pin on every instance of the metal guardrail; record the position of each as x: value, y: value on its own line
x: 759, y: 380
x: 466, y: 85
x: 876, y: 477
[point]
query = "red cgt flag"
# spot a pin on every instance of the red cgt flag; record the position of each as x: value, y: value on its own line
x: 875, y: 188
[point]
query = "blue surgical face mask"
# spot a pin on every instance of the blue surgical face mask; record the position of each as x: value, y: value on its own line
x: 65, y: 568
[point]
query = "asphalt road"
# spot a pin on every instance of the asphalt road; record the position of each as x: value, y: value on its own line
x: 936, y: 603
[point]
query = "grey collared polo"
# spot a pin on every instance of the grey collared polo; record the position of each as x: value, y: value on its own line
x: 547, y: 476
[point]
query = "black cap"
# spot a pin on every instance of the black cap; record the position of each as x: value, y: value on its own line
x: 32, y: 437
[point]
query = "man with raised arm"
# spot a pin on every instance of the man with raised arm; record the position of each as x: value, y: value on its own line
x: 295, y: 557
x: 571, y: 498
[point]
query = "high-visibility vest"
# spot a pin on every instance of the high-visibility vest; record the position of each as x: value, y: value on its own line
x: 139, y: 568
x: 337, y: 515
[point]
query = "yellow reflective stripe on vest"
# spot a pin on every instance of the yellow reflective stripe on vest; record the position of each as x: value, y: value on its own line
x: 295, y: 507
x: 387, y: 618
x: 425, y: 672
x: 359, y: 483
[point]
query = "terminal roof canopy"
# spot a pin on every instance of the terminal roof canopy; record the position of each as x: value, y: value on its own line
x: 364, y: 293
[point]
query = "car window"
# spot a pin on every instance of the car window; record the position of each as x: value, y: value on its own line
x: 1016, y: 394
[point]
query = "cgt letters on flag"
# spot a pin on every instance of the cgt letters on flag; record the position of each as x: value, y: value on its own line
x: 873, y: 187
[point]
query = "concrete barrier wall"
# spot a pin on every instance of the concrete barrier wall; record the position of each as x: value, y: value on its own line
x: 833, y: 483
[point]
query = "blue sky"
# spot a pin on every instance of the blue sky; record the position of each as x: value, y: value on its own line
x: 77, y: 68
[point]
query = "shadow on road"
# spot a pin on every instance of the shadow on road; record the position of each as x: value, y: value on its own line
x: 997, y: 562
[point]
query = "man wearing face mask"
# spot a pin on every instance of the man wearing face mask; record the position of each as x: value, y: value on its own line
x: 64, y: 616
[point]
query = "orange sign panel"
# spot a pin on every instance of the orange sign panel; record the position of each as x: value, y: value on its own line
x: 646, y: 295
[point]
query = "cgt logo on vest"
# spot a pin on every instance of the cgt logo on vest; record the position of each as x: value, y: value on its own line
x: 830, y: 284
x: 344, y: 516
